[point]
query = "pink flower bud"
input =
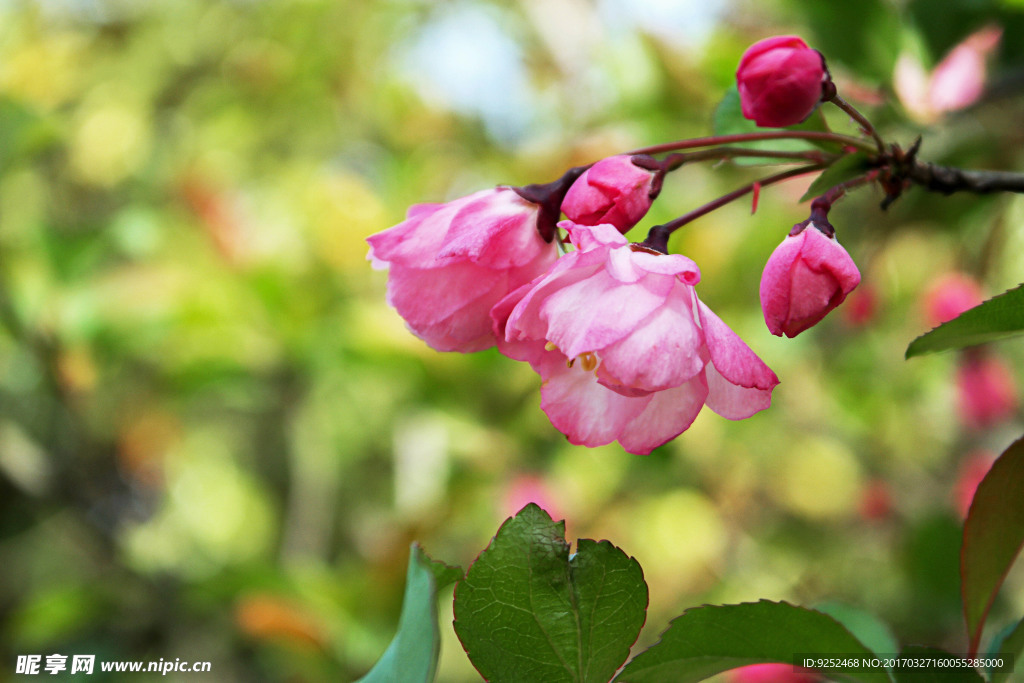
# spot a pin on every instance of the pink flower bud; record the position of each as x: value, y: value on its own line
x: 614, y: 190
x: 986, y: 392
x: 806, y: 276
x: 450, y: 263
x: 780, y: 81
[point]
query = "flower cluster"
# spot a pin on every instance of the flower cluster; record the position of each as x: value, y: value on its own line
x: 625, y: 349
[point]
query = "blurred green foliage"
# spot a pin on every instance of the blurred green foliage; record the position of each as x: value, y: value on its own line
x: 216, y: 440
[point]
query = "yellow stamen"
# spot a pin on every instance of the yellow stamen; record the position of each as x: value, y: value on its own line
x: 589, y: 361
x: 550, y: 346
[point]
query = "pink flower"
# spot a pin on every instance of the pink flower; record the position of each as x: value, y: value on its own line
x: 773, y: 673
x: 956, y: 83
x: 986, y: 392
x: 950, y: 295
x: 450, y: 263
x: 780, y: 81
x: 972, y: 470
x: 625, y: 349
x: 614, y: 190
x: 529, y: 488
x: 806, y: 276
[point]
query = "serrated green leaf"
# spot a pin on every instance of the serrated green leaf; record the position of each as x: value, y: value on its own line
x: 707, y: 640
x: 993, y: 536
x: 933, y: 674
x: 1008, y: 643
x: 412, y: 655
x: 847, y: 168
x: 728, y: 119
x: 527, y: 611
x: 1000, y: 317
x: 865, y: 627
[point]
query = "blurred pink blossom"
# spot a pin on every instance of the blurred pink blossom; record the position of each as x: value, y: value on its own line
x: 986, y: 390
x: 972, y: 470
x: 529, y: 488
x: 625, y: 349
x: 949, y: 295
x: 956, y: 82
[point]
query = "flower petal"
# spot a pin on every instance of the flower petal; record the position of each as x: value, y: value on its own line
x: 731, y: 357
x: 668, y: 414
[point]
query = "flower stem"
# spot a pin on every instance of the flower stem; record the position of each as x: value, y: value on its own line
x: 657, y: 238
x: 947, y: 179
x: 860, y: 119
x: 718, y: 140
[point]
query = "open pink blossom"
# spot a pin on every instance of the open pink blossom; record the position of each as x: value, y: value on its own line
x: 806, y: 276
x: 956, y: 83
x: 780, y: 81
x: 625, y: 349
x: 614, y: 190
x: 450, y: 263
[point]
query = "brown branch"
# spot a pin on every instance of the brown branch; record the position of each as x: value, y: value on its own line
x: 947, y: 179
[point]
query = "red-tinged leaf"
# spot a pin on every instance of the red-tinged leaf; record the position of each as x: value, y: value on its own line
x: 993, y: 536
x: 757, y: 195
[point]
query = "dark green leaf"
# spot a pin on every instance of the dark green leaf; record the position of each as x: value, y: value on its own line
x: 707, y: 640
x: 865, y: 627
x: 993, y: 536
x: 527, y: 611
x: 728, y: 119
x: 999, y: 317
x: 847, y: 168
x: 934, y: 674
x: 1008, y: 643
x: 412, y: 655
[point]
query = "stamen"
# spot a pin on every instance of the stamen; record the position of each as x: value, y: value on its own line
x: 550, y: 346
x: 589, y: 361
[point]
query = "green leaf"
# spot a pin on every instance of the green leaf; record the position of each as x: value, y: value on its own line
x: 412, y: 655
x: 936, y: 674
x: 865, y: 627
x: 999, y: 317
x: 993, y: 536
x: 527, y: 611
x: 1008, y: 643
x: 728, y: 119
x: 707, y: 640
x: 847, y: 168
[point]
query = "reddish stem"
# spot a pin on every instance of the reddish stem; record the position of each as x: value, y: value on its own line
x: 657, y: 238
x: 716, y: 140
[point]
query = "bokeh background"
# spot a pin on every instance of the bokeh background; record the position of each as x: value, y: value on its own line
x: 217, y: 441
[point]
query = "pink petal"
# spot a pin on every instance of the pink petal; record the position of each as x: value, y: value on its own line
x: 663, y: 351
x: 498, y: 229
x: 668, y: 414
x: 592, y: 313
x: 732, y: 401
x: 586, y: 412
x: 587, y: 237
x: 731, y: 357
x: 959, y: 79
x: 415, y: 241
x: 910, y: 81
